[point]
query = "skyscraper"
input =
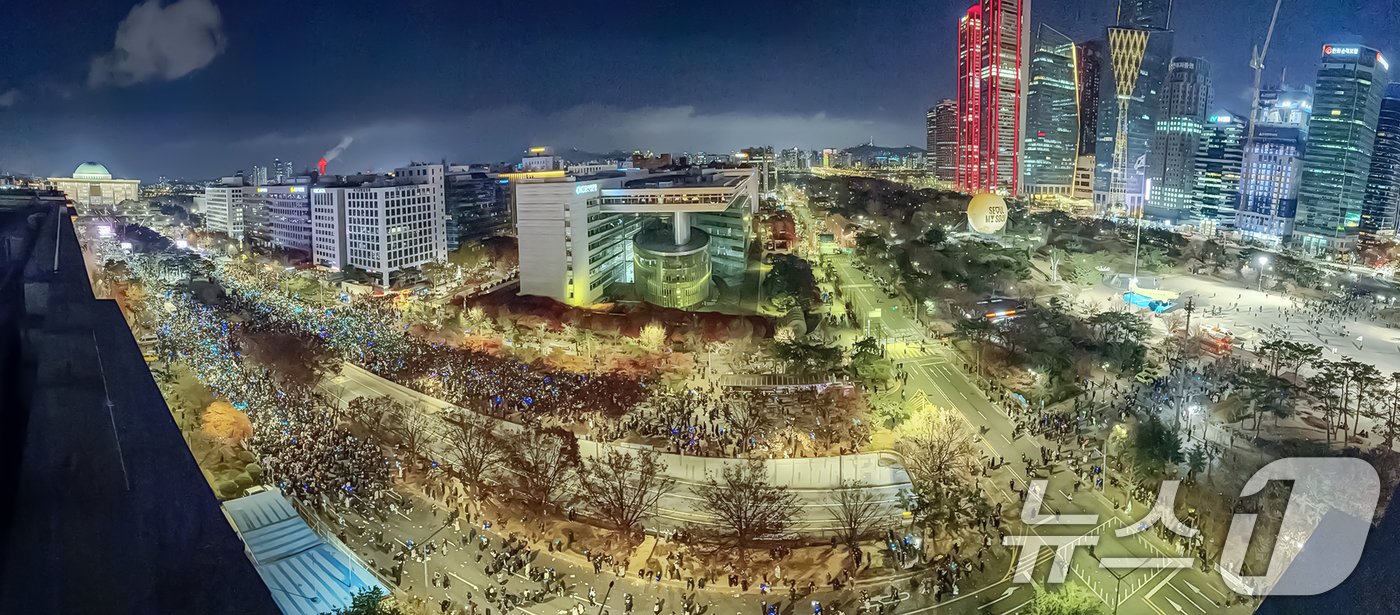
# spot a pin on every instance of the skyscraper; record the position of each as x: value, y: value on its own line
x: 1091, y: 57
x: 1219, y: 154
x: 1341, y: 134
x: 259, y: 175
x: 1171, y: 161
x: 1052, y: 115
x: 1139, y: 50
x: 277, y: 175
x: 1272, y: 166
x: 969, y: 165
x: 1378, y: 210
x: 991, y: 94
x: 929, y: 129
x: 943, y: 140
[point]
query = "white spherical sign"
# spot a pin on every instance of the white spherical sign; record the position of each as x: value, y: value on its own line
x: 986, y: 213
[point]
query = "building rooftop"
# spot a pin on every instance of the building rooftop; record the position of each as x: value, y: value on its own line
x: 685, y: 180
x: 106, y: 510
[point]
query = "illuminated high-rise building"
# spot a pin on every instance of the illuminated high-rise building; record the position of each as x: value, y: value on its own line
x: 1052, y: 116
x: 991, y: 95
x: 1139, y: 51
x: 1351, y: 83
x: 1171, y: 161
x: 1219, y: 155
x: 1378, y: 210
x: 943, y: 140
x: 1145, y: 14
x: 969, y: 162
x: 1272, y: 165
x: 1092, y: 61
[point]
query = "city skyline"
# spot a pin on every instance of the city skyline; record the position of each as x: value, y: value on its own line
x: 220, y: 107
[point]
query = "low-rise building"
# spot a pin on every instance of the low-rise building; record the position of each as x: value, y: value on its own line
x: 93, y: 190
x: 666, y: 232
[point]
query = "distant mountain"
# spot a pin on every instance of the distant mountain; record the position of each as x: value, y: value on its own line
x: 869, y: 150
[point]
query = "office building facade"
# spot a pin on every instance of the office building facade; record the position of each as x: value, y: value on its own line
x: 943, y: 140
x: 1052, y: 115
x: 1272, y: 166
x: 1218, y: 160
x: 1091, y: 57
x: 1378, y: 210
x: 281, y: 216
x: 478, y: 205
x: 667, y: 233
x: 1171, y: 160
x: 1351, y: 83
x: 992, y: 38
x: 223, y: 208
x: 969, y: 163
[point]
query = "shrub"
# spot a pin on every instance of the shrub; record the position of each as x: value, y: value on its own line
x: 243, y: 481
x: 227, y: 489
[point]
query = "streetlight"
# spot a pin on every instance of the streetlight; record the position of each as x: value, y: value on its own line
x: 1263, y: 260
x: 604, y: 603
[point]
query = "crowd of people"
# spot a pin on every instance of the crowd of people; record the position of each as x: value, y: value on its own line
x: 298, y: 435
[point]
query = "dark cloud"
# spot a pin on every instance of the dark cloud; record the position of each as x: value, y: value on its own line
x: 9, y: 98
x: 501, y: 134
x: 161, y: 43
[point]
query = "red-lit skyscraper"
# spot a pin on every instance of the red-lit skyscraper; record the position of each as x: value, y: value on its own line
x: 991, y: 94
x: 969, y: 174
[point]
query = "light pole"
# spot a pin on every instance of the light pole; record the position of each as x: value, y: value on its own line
x: 604, y: 603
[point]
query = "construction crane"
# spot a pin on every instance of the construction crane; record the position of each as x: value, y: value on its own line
x: 1256, y: 61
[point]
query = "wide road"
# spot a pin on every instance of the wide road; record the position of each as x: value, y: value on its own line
x: 936, y: 369
x: 811, y: 479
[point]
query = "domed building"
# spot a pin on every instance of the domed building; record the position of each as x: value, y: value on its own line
x: 92, y: 189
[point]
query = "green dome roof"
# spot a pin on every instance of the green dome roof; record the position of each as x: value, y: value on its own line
x: 91, y: 170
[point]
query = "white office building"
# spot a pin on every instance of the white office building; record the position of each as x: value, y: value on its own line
x: 666, y: 233
x: 383, y: 226
x: 223, y: 207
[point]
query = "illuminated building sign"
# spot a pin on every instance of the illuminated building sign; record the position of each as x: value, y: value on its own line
x: 586, y: 189
x: 1220, y: 119
x: 1339, y: 50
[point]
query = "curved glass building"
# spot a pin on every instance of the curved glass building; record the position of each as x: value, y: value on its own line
x: 669, y: 273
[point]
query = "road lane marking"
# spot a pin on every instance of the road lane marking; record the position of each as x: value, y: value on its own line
x: 1188, y: 598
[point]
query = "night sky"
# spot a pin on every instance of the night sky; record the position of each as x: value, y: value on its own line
x: 201, y: 88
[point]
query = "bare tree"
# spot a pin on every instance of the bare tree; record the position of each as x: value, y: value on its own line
x: 857, y: 511
x: 546, y: 460
x: 476, y: 450
x: 747, y: 507
x: 748, y: 420
x: 625, y: 487
x: 411, y: 426
x: 938, y: 446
